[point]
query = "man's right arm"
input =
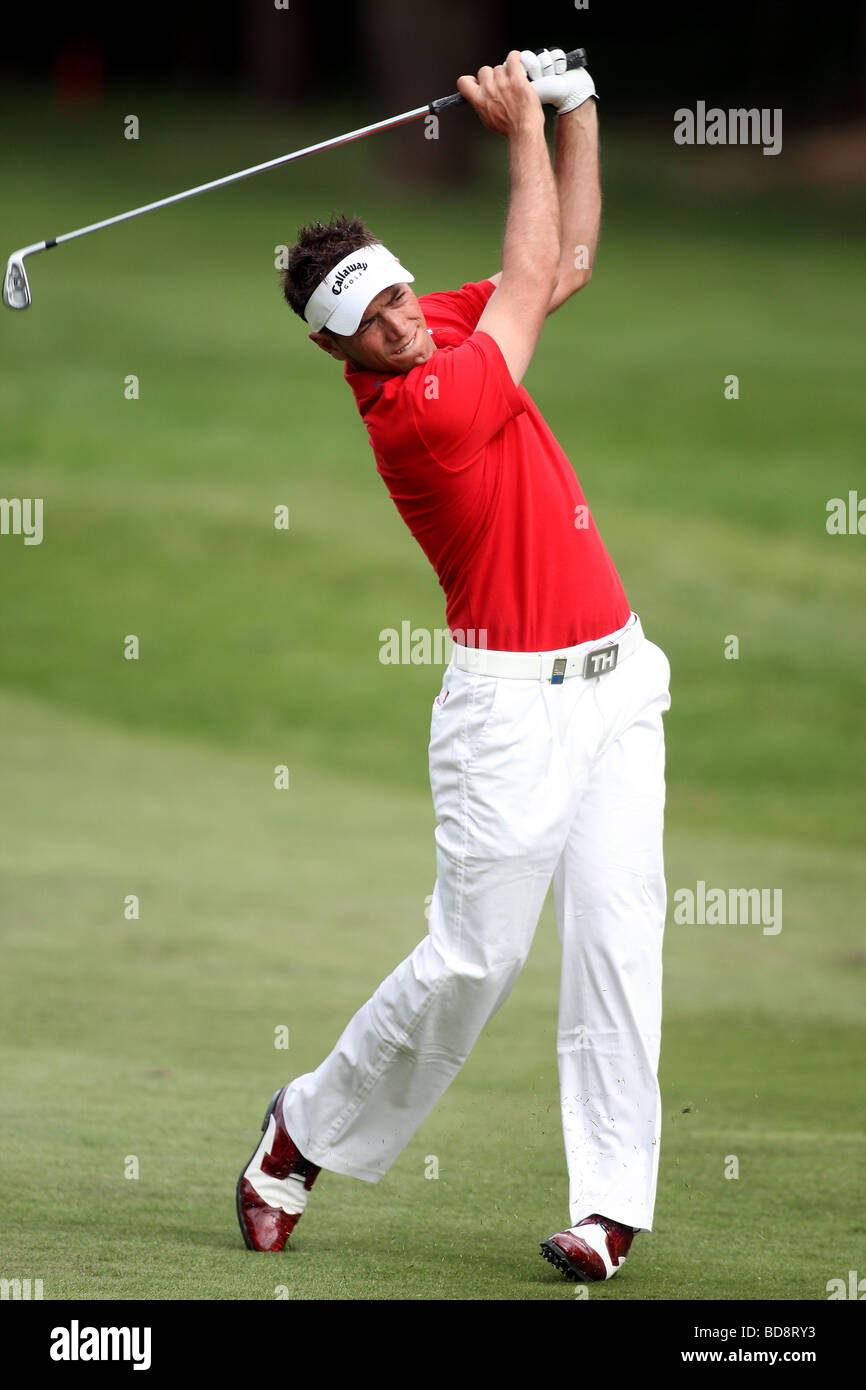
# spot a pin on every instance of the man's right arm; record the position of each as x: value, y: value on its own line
x: 507, y: 103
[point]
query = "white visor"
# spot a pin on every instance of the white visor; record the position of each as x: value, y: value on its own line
x: 344, y: 294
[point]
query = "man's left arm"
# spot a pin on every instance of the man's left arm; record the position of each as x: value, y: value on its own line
x: 578, y: 186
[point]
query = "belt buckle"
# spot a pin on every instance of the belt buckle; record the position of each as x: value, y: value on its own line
x: 599, y: 662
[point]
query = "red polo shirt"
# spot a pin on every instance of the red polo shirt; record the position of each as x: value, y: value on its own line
x: 487, y: 491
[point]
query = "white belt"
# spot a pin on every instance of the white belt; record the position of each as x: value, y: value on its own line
x: 589, y: 659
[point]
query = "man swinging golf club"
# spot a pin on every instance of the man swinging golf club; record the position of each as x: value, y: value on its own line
x: 546, y: 742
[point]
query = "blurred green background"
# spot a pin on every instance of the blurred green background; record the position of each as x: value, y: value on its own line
x: 259, y: 908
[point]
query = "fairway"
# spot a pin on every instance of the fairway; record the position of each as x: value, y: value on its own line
x: 153, y: 1038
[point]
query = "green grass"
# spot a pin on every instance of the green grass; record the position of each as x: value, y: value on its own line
x: 154, y: 1038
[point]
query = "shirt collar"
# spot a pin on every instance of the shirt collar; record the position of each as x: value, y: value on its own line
x: 367, y: 384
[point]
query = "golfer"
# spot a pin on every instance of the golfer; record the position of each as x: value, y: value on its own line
x: 546, y: 740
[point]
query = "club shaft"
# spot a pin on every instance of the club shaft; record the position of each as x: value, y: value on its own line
x: 577, y: 58
x: 241, y: 174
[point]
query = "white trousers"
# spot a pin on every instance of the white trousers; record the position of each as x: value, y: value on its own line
x: 531, y: 781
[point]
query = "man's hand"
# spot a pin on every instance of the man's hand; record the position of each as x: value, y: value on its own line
x: 555, y: 84
x: 505, y: 102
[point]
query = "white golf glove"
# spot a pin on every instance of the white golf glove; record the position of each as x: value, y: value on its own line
x: 556, y: 84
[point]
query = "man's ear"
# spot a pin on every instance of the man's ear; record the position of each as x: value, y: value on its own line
x: 327, y: 344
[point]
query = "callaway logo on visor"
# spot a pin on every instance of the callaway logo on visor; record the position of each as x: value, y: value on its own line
x: 353, y: 283
x: 337, y: 286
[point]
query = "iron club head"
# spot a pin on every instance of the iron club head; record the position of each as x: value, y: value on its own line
x: 16, y: 289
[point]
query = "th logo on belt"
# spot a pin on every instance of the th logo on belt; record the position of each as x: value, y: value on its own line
x: 600, y: 662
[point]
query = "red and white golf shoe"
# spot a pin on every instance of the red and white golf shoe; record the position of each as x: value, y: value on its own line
x: 272, y: 1190
x: 594, y: 1249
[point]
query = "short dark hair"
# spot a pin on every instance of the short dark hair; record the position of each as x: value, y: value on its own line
x: 317, y: 250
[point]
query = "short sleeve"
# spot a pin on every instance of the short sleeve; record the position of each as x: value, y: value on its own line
x: 461, y: 398
x: 459, y: 309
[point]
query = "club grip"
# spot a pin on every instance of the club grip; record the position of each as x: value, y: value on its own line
x: 575, y: 59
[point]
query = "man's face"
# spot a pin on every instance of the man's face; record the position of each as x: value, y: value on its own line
x: 391, y: 337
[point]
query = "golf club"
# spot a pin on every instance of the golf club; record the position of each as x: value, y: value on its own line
x: 16, y: 287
